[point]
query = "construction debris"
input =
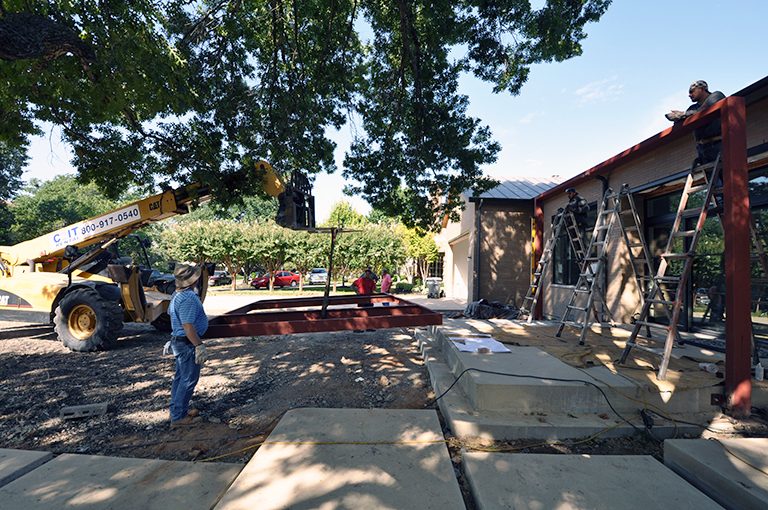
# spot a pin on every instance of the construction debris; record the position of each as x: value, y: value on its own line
x: 72, y: 412
x: 483, y: 309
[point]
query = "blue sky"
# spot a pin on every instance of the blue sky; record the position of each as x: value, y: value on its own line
x: 637, y: 64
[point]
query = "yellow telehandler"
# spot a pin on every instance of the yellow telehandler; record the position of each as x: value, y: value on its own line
x: 46, y: 279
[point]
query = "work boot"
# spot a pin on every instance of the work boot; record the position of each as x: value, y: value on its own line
x: 193, y: 412
x: 184, y: 422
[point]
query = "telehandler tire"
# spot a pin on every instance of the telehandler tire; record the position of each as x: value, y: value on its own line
x: 85, y: 321
x: 163, y: 323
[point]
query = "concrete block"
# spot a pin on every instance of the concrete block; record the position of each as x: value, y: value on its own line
x: 577, y: 482
x: 728, y: 470
x: 15, y: 463
x: 85, y: 482
x: 303, y: 465
x: 83, y: 411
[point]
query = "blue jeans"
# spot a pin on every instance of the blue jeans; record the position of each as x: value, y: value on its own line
x: 184, y: 380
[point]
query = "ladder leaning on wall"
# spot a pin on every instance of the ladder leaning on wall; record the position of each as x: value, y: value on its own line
x: 617, y: 209
x: 563, y: 221
x: 668, y: 291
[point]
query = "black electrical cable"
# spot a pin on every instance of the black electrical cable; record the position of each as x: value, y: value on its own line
x: 540, y: 378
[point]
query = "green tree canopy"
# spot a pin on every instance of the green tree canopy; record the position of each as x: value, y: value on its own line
x: 344, y: 215
x: 154, y: 91
x: 47, y: 206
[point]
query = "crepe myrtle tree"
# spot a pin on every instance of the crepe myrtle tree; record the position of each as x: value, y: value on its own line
x: 152, y: 92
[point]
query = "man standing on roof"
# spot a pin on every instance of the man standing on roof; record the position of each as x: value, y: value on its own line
x: 708, y: 137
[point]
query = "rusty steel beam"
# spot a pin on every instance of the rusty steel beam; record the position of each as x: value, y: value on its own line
x: 351, y: 299
x: 265, y: 320
x: 736, y: 220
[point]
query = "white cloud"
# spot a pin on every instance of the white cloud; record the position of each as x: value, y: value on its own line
x: 600, y: 91
x: 529, y: 118
x: 654, y: 121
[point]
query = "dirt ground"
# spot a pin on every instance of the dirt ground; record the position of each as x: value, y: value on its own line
x: 245, y: 387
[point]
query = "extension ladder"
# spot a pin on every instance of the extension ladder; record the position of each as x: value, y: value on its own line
x: 564, y: 220
x: 583, y: 299
x: 669, y: 291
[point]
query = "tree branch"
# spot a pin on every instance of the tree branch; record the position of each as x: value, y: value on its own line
x: 31, y: 36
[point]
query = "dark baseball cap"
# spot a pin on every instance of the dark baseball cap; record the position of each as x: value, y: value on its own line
x: 570, y: 190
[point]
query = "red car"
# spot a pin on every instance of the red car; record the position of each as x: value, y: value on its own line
x: 282, y: 279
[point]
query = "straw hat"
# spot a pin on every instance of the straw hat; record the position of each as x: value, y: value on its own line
x: 186, y: 275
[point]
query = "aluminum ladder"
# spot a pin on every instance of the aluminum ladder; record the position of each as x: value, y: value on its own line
x: 563, y: 221
x: 588, y: 288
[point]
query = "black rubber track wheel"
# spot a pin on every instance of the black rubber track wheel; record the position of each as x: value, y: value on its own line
x: 85, y: 321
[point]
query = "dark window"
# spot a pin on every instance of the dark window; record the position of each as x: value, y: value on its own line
x: 565, y: 270
x: 436, y: 268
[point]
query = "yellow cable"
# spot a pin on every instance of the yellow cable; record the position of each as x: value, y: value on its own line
x: 738, y: 457
x: 547, y: 443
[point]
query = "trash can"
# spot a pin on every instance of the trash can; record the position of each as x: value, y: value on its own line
x: 433, y: 287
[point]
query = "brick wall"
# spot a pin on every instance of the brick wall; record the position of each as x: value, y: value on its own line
x: 505, y: 251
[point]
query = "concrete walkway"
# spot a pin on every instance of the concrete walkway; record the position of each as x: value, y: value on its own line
x: 94, y: 482
x: 349, y: 459
x: 733, y: 472
x: 578, y: 482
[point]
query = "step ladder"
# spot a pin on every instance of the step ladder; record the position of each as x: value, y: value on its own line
x: 669, y: 290
x: 588, y: 295
x: 563, y: 221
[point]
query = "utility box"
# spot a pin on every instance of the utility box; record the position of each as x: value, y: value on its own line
x: 433, y: 287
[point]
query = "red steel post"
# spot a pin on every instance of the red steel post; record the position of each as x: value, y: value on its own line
x: 738, y: 331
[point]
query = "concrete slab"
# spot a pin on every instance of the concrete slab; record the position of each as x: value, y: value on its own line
x: 728, y: 470
x: 303, y: 466
x: 498, y: 392
x: 576, y: 482
x: 14, y: 463
x: 466, y: 422
x: 92, y: 482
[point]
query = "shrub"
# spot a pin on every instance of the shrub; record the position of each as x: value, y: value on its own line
x: 403, y: 287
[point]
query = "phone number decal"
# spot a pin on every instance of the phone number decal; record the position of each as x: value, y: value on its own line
x: 93, y: 227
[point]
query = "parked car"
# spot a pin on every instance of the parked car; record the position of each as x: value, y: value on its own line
x: 282, y: 279
x: 318, y: 275
x: 702, y: 297
x: 219, y: 278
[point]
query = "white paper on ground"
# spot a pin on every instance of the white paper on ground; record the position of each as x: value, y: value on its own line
x: 472, y: 344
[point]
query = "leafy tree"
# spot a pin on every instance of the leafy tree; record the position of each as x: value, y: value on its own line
x: 375, y: 246
x: 306, y: 251
x: 188, y: 241
x: 12, y: 161
x: 420, y: 247
x: 152, y: 91
x: 269, y: 246
x: 344, y: 215
x: 47, y: 206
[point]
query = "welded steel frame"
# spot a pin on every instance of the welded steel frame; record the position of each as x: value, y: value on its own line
x: 738, y: 331
x: 305, y: 315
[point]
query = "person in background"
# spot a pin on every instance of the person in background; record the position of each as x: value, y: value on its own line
x: 365, y: 286
x: 188, y: 324
x: 386, y: 281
